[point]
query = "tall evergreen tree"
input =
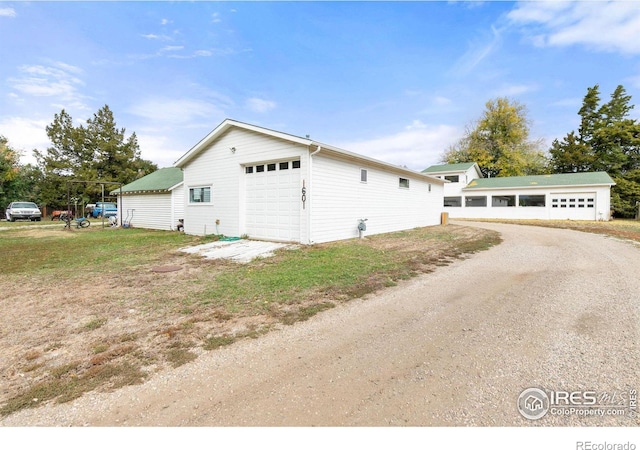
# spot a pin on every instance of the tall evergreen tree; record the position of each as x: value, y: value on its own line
x: 96, y: 152
x: 607, y: 140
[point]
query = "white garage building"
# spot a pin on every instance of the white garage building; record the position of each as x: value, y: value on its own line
x: 243, y: 179
x: 567, y: 196
x: 155, y: 201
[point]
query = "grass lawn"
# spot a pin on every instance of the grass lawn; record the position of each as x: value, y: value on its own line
x: 83, y: 309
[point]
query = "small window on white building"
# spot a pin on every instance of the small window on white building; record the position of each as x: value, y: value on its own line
x: 476, y: 201
x: 295, y: 164
x: 363, y: 175
x: 248, y: 169
x: 536, y: 201
x: 452, y: 178
x: 453, y: 202
x: 503, y: 200
x: 284, y: 165
x: 200, y: 195
x: 403, y: 183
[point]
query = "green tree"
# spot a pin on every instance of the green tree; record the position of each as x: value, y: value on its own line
x: 9, y: 160
x: 17, y: 182
x: 607, y: 140
x: 99, y: 151
x: 570, y: 155
x: 499, y: 142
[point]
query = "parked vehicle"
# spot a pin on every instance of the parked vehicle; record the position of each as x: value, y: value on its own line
x: 88, y: 210
x: 23, y: 210
x: 106, y: 209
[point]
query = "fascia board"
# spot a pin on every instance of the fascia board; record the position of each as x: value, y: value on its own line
x: 355, y: 157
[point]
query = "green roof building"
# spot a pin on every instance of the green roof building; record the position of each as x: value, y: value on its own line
x: 155, y: 201
x: 564, y: 196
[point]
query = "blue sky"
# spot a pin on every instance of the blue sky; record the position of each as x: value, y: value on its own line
x: 397, y: 81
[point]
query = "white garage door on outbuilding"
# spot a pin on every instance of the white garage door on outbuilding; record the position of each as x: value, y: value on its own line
x: 272, y: 200
x: 275, y: 186
x: 574, y: 206
x: 565, y: 196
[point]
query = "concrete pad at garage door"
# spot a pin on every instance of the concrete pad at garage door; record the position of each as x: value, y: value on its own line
x: 241, y: 251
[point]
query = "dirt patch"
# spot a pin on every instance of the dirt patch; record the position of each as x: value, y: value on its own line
x: 165, y: 269
x: 62, y: 336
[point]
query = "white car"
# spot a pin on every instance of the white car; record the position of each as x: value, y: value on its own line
x: 23, y: 210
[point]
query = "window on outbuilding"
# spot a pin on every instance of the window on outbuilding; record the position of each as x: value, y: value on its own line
x: 534, y: 200
x: 452, y: 178
x: 503, y: 200
x: 454, y: 202
x: 403, y: 183
x: 476, y: 201
x: 363, y: 175
x: 200, y: 195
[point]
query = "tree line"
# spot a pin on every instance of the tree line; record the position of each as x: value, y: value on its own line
x: 607, y: 140
x: 97, y: 151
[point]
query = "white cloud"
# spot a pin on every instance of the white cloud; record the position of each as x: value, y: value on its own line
x: 25, y: 134
x: 568, y: 103
x: 157, y: 37
x: 510, y: 90
x: 215, y: 18
x: 203, y: 53
x: 441, y: 101
x: 7, y: 12
x: 165, y: 22
x: 417, y: 146
x: 48, y: 81
x: 170, y: 112
x: 604, y: 25
x: 477, y: 53
x: 172, y: 48
x: 260, y: 105
x: 158, y: 148
x: 167, y: 127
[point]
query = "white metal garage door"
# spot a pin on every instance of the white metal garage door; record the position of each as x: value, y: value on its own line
x: 273, y: 200
x: 574, y: 206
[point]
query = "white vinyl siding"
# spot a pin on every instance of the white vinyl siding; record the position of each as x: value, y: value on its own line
x: 224, y: 171
x: 571, y: 195
x: 151, y: 211
x: 177, y: 208
x: 339, y: 199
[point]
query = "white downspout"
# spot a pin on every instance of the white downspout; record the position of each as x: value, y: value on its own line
x: 309, y: 188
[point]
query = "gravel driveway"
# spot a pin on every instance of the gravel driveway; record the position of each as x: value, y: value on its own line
x: 548, y: 308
